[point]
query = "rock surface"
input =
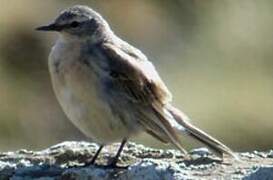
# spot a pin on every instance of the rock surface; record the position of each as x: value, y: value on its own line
x: 66, y: 161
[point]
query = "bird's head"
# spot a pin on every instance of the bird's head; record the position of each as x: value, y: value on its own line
x: 79, y: 22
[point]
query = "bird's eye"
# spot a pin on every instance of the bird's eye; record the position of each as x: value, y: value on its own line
x: 74, y: 24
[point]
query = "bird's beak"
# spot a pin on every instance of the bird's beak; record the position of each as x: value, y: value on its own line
x: 50, y: 27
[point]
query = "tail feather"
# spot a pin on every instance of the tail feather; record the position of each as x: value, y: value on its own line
x: 170, y: 132
x: 212, y: 143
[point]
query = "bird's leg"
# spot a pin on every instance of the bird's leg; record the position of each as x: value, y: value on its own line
x: 92, y: 162
x: 114, y: 161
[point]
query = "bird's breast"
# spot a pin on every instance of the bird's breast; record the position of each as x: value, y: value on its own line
x: 78, y: 90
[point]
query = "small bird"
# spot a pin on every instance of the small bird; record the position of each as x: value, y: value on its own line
x: 110, y: 90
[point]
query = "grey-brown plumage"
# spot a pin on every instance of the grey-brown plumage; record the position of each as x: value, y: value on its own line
x: 109, y: 89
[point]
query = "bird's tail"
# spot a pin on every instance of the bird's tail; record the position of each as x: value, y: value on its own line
x: 199, y: 135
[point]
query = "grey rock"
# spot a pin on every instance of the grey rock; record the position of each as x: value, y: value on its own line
x: 67, y: 160
x: 262, y: 173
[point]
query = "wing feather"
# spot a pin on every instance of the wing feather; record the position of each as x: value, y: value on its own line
x: 134, y: 77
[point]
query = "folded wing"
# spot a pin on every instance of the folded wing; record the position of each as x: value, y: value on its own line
x: 134, y: 78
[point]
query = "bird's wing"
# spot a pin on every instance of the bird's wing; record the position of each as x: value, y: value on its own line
x: 136, y: 76
x: 136, y: 79
x: 133, y: 79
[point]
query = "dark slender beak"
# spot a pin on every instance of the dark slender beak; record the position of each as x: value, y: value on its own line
x: 50, y: 27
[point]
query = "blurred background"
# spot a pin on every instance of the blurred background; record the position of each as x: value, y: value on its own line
x: 216, y: 57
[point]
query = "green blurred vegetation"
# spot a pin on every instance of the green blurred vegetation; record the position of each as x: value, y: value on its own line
x: 215, y: 56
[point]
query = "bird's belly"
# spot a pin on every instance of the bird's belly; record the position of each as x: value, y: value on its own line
x: 93, y: 120
x: 77, y: 92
